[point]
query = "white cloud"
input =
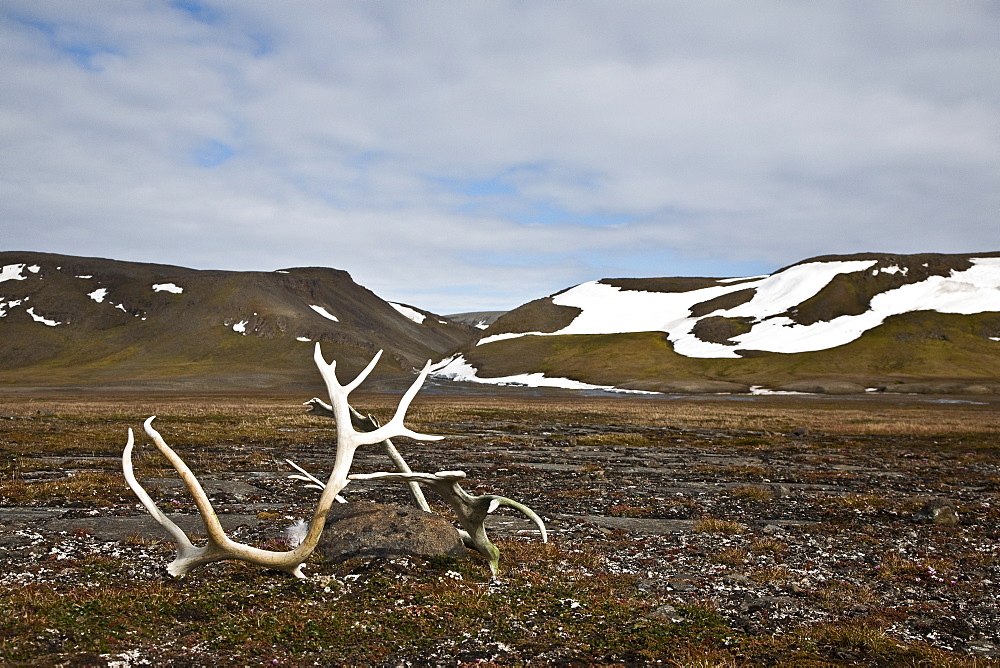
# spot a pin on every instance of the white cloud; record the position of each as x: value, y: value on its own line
x: 352, y: 135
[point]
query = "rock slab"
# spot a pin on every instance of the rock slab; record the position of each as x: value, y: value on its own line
x: 365, y: 529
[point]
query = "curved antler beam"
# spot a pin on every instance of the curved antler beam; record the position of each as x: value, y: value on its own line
x: 471, y: 510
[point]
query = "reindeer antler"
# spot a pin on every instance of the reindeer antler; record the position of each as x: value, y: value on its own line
x: 363, y: 423
x: 220, y: 546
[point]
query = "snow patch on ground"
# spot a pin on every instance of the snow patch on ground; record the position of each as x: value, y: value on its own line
x: 408, y: 312
x: 98, y: 295
x: 167, y: 287
x: 894, y: 269
x: 241, y: 327
x: 509, y: 335
x: 323, y: 312
x: 458, y: 369
x: 760, y: 390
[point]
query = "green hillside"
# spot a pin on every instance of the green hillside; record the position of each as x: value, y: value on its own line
x: 909, y: 348
x: 223, y: 330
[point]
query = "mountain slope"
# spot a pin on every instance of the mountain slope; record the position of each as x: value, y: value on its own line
x: 874, y: 320
x: 71, y: 320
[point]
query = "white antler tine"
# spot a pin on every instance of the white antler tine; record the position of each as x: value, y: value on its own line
x: 211, y: 520
x: 395, y: 426
x: 528, y: 512
x: 318, y: 358
x: 363, y: 375
x: 183, y: 544
x: 328, y: 373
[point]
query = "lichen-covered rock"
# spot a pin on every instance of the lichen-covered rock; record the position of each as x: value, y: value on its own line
x: 365, y: 529
x: 937, y: 511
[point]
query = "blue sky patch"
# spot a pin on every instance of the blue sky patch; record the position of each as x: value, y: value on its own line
x: 198, y: 11
x: 80, y: 51
x: 211, y: 153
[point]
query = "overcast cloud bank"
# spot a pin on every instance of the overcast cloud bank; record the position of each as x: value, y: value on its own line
x: 472, y: 156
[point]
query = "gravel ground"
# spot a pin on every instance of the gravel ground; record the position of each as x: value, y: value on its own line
x: 776, y: 531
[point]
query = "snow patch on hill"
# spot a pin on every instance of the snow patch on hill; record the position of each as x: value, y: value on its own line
x: 323, y: 312
x: 607, y: 309
x: 12, y: 272
x: 458, y: 369
x: 409, y: 313
x: 40, y: 318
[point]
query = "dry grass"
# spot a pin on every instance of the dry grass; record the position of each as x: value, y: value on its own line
x: 751, y: 493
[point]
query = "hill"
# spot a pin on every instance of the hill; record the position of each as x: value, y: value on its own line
x: 477, y: 319
x: 73, y: 321
x: 926, y: 322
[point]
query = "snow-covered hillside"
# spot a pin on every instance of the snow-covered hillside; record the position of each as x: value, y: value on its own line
x: 764, y: 313
x: 607, y: 309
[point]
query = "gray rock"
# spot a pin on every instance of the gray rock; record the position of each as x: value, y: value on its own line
x: 937, y: 511
x: 365, y: 529
x: 667, y: 613
x: 781, y: 491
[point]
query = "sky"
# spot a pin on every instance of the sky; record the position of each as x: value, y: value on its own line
x: 475, y: 155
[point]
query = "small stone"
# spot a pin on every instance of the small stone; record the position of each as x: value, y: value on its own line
x: 937, y: 511
x: 668, y: 613
x: 647, y: 584
x: 680, y: 584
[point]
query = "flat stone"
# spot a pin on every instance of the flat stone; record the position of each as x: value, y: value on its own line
x: 109, y: 529
x: 365, y: 529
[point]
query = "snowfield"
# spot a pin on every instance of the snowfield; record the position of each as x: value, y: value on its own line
x: 607, y: 309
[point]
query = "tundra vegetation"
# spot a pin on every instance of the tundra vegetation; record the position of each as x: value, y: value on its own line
x: 711, y: 531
